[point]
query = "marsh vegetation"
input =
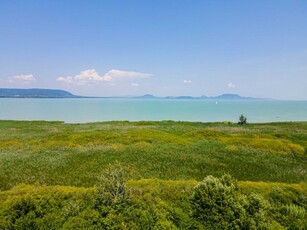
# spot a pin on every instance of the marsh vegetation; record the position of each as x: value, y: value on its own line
x: 152, y: 175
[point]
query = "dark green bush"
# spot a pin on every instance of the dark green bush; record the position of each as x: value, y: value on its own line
x: 217, y: 204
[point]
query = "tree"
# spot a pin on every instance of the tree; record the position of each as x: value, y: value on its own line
x: 242, y: 120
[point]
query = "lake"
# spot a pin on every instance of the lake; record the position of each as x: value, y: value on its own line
x: 83, y: 110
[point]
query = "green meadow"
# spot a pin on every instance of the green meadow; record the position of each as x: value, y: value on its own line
x: 63, y: 176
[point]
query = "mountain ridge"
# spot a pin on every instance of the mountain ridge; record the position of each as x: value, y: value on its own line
x: 58, y: 93
x: 227, y: 96
x: 35, y: 93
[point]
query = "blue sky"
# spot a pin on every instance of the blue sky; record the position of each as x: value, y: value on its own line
x: 162, y: 47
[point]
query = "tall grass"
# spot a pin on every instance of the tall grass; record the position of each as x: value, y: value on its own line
x: 55, y: 153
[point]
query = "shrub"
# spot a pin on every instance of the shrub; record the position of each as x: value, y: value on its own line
x: 256, y: 208
x: 213, y: 203
x: 112, y: 186
x: 217, y: 204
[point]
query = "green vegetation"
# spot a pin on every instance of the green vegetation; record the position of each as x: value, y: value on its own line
x: 242, y: 120
x: 152, y: 175
x: 216, y: 204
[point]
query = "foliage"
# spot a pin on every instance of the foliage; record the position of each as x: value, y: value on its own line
x: 112, y: 186
x: 289, y: 207
x: 157, y: 204
x: 216, y: 204
x: 242, y: 120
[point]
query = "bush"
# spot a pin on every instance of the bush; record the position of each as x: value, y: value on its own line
x: 256, y: 208
x: 112, y: 186
x: 217, y: 204
x: 214, y: 205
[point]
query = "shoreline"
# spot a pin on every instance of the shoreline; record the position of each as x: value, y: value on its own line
x: 158, y: 122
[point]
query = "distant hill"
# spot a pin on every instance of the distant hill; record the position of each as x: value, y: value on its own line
x: 231, y: 97
x: 35, y: 93
x: 56, y: 93
x: 146, y: 96
x: 220, y: 97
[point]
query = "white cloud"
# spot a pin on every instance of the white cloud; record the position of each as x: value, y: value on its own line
x: 115, y: 74
x: 91, y: 75
x: 23, y: 78
x: 231, y: 85
x: 187, y: 81
x: 82, y: 78
x: 65, y: 79
x: 135, y: 84
x: 88, y: 75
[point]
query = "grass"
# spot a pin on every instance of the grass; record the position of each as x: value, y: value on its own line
x: 50, y: 172
x: 55, y: 153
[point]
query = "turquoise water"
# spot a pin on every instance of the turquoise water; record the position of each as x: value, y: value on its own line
x: 93, y: 110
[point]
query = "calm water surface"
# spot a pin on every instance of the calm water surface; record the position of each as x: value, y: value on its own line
x: 93, y: 110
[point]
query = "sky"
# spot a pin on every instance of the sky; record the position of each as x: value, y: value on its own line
x: 161, y: 47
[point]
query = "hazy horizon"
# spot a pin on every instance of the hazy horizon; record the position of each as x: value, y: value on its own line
x: 164, y: 48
